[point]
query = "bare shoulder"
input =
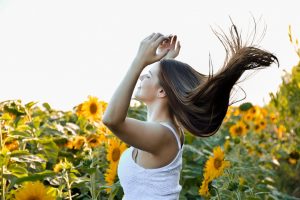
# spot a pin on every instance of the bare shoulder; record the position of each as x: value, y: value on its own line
x: 152, y: 137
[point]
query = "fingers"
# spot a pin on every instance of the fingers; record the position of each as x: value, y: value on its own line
x: 178, y: 46
x: 149, y: 37
x: 156, y: 36
x: 177, y: 49
x: 170, y: 43
x: 173, y: 42
x: 160, y: 39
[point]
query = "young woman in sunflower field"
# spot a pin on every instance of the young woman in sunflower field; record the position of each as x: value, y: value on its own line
x: 177, y: 98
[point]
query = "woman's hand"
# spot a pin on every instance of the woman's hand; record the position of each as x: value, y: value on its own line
x: 147, y: 53
x: 170, y: 44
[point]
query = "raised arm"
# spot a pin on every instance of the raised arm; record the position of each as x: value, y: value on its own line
x: 117, y: 108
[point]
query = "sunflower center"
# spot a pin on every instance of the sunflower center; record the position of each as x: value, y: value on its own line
x: 93, y: 140
x: 217, y: 163
x: 93, y: 108
x: 116, y: 154
x: 239, y: 130
x: 33, y: 198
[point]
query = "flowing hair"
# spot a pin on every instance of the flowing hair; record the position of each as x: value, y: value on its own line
x: 199, y: 102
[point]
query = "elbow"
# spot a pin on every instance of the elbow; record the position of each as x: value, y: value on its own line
x: 108, y: 122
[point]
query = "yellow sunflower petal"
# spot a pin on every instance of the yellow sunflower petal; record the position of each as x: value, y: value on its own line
x: 34, y: 190
x: 92, y: 109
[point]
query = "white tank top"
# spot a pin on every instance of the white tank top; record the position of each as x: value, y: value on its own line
x: 139, y: 183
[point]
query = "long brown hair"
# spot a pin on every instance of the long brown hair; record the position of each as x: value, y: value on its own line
x: 199, y: 102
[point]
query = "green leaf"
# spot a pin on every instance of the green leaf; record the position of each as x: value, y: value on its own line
x: 17, y: 170
x: 28, y: 158
x: 20, y: 134
x: 245, y: 106
x: 30, y: 104
x: 47, y: 106
x: 33, y: 177
x: 17, y: 153
x: 50, y: 149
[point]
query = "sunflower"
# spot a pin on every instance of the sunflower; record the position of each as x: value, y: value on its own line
x: 273, y: 117
x: 281, y: 129
x: 204, y: 189
x: 236, y: 112
x: 79, y: 109
x: 228, y: 114
x: 216, y: 164
x: 110, y: 176
x: 254, y: 110
x: 95, y: 140
x: 260, y: 113
x: 262, y: 123
x: 63, y: 165
x: 250, y: 150
x: 34, y: 190
x: 58, y: 167
x: 76, y: 143
x: 104, y: 105
x: 69, y: 144
x: 103, y: 129
x: 257, y: 126
x: 292, y: 161
x: 293, y: 157
x: 248, y: 116
x: 12, y: 145
x: 115, y: 149
x: 92, y: 109
x: 239, y: 129
x: 264, y: 112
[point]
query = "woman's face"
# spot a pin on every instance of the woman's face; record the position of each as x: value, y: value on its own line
x: 148, y: 85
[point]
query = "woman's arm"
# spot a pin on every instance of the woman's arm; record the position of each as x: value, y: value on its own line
x: 117, y: 108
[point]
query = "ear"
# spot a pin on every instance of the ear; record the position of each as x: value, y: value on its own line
x: 161, y: 92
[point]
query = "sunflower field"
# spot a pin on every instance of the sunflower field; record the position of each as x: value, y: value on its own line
x: 48, y: 154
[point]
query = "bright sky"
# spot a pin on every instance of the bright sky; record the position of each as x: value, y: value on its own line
x: 62, y: 51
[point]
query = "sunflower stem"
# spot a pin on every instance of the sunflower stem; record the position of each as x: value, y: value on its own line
x: 93, y: 178
x: 218, y: 195
x: 68, y: 185
x: 237, y: 195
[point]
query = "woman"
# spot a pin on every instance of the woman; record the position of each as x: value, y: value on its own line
x: 177, y: 97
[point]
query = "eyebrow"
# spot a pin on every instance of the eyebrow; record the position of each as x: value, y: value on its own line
x: 150, y: 72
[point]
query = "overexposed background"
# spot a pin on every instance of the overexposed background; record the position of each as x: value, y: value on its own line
x: 62, y: 51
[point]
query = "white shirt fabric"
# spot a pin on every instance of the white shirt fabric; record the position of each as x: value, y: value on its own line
x: 139, y: 183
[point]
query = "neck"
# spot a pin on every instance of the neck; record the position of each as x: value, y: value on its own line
x: 158, y: 112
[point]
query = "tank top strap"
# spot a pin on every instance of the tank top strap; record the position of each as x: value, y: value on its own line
x: 174, y: 132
